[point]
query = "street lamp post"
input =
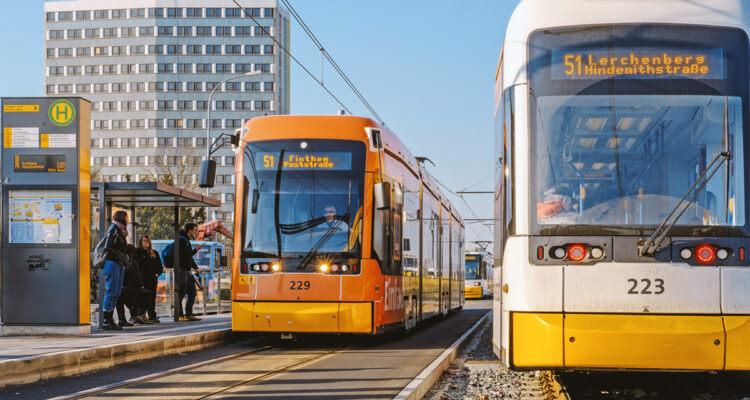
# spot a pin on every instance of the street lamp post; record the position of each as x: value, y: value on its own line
x: 208, y: 113
x: 210, y: 165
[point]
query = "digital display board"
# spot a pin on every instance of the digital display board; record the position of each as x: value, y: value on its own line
x: 329, y: 160
x: 39, y: 163
x: 637, y: 63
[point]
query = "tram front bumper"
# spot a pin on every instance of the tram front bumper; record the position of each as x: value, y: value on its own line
x: 303, y: 317
x: 473, y: 292
x: 626, y: 341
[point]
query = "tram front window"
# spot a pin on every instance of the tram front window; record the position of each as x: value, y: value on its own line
x: 628, y: 159
x: 472, y: 269
x: 626, y: 118
x: 309, y: 198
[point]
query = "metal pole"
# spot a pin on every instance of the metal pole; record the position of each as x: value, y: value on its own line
x: 176, y: 251
x: 218, y: 300
x: 102, y: 229
x: 205, y: 293
x: 135, y: 227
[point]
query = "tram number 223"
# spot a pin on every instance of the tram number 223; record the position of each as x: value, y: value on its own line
x: 299, y: 285
x: 646, y: 286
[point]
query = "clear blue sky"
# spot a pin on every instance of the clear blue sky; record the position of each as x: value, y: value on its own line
x: 426, y: 66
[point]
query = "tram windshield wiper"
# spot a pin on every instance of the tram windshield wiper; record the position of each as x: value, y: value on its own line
x: 321, y: 242
x: 649, y: 247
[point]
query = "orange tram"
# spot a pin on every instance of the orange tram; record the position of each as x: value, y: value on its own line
x: 339, y: 229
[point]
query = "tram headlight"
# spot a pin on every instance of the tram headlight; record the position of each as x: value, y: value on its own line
x: 323, y: 267
x: 335, y: 268
x: 722, y: 254
x: 275, y: 267
x: 344, y: 268
x: 597, y: 253
x: 559, y: 253
x: 686, y: 253
x: 264, y: 267
x: 256, y: 267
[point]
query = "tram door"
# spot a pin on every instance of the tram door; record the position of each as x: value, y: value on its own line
x: 445, y: 269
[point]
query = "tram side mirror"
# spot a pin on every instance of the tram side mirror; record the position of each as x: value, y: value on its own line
x: 256, y: 197
x: 207, y: 174
x: 407, y: 245
x: 382, y: 195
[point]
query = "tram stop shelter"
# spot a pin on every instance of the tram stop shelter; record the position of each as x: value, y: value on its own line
x: 129, y: 195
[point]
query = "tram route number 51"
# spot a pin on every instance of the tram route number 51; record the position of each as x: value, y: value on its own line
x: 299, y: 285
x: 644, y: 286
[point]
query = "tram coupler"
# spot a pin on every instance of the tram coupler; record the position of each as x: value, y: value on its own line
x: 288, y: 336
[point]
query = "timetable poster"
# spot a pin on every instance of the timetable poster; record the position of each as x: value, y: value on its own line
x: 40, y: 216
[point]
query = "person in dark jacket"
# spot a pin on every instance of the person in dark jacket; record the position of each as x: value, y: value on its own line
x: 115, y: 241
x: 134, y: 296
x: 150, y: 264
x: 183, y: 274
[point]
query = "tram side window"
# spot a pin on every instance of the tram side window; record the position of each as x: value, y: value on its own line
x: 410, y: 241
x: 505, y: 127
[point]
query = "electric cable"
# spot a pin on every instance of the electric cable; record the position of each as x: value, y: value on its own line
x: 265, y: 30
x: 333, y: 63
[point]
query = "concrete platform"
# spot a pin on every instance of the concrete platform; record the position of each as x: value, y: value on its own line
x: 27, y: 359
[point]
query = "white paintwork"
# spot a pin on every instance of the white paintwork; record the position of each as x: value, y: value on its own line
x: 735, y: 290
x: 604, y: 288
x: 530, y: 287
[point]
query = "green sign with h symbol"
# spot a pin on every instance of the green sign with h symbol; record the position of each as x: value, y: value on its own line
x: 62, y: 112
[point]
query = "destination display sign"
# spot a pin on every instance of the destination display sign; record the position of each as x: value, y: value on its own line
x: 39, y: 163
x: 638, y: 63
x: 330, y: 160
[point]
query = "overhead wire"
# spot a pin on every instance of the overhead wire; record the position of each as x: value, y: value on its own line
x: 319, y: 82
x: 330, y: 59
x: 492, y: 233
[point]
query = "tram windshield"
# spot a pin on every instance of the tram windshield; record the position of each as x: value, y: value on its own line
x: 626, y: 118
x: 303, y: 196
x: 472, y: 268
x: 628, y: 159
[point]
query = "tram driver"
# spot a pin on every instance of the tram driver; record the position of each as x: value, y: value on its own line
x: 329, y: 212
x: 557, y: 206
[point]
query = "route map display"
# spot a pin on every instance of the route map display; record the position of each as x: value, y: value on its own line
x: 40, y: 216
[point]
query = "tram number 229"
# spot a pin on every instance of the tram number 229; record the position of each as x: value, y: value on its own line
x: 644, y: 286
x: 299, y: 285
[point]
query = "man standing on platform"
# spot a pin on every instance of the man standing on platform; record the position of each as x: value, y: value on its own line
x: 184, y: 277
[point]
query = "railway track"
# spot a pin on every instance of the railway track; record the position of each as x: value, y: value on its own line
x: 646, y: 386
x: 231, y: 372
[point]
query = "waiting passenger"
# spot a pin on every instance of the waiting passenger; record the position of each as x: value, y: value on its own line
x: 150, y: 264
x: 183, y: 276
x: 114, y: 267
x: 134, y: 296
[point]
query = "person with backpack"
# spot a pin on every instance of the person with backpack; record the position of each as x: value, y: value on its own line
x: 111, y: 250
x: 184, y: 279
x: 151, y: 267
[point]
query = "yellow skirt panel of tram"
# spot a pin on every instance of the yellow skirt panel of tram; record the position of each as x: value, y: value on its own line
x: 311, y: 317
x: 536, y: 340
x: 242, y: 316
x: 473, y: 292
x: 738, y: 342
x: 676, y: 342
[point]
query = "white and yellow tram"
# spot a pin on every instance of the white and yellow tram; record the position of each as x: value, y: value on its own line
x: 478, y: 276
x: 621, y: 198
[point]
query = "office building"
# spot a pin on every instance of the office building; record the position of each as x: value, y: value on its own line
x: 149, y: 66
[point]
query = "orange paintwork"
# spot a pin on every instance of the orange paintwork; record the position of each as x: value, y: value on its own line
x: 370, y: 285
